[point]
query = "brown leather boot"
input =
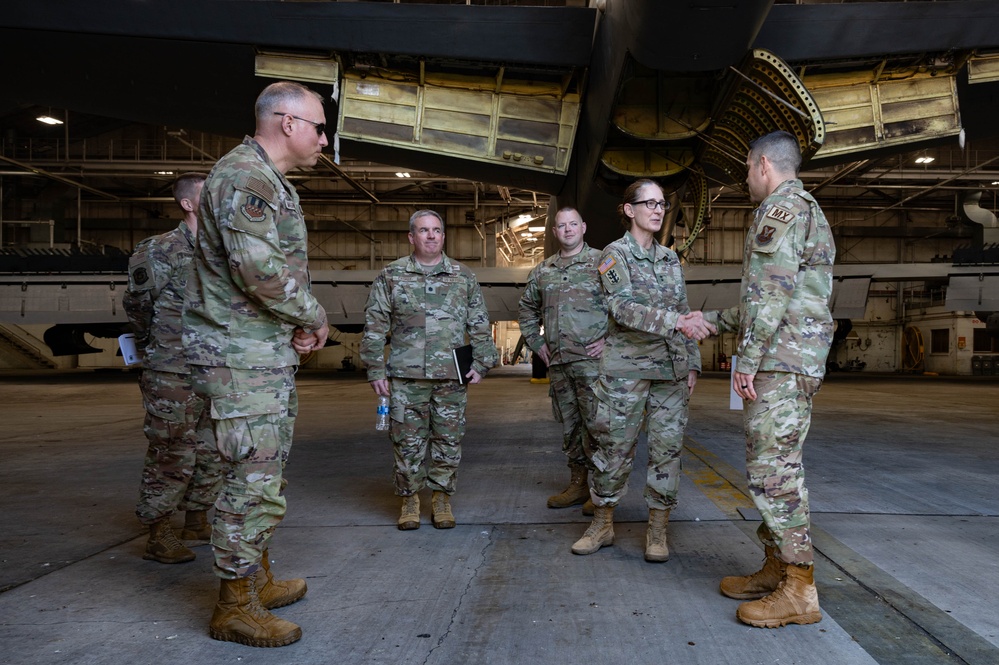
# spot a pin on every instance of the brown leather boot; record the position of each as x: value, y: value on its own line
x: 277, y: 593
x: 163, y: 545
x: 441, y: 513
x: 588, y: 508
x: 656, y: 547
x: 196, y: 526
x: 409, y: 517
x: 577, y: 492
x: 239, y: 617
x: 796, y: 600
x: 761, y: 583
x: 599, y: 534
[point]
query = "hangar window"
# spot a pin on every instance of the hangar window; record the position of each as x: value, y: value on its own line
x: 985, y: 342
x: 940, y: 340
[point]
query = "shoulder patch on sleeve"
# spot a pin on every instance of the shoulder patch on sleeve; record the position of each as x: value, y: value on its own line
x: 607, y: 264
x: 769, y: 236
x: 780, y: 214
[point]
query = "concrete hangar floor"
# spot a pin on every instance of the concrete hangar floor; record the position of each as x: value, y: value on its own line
x: 902, y: 473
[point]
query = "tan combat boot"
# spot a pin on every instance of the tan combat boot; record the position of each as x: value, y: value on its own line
x: 440, y: 508
x: 196, y: 526
x: 656, y: 548
x: 796, y: 600
x: 239, y: 617
x: 409, y: 518
x: 577, y: 492
x: 761, y: 583
x: 600, y: 532
x: 163, y: 545
x: 277, y: 593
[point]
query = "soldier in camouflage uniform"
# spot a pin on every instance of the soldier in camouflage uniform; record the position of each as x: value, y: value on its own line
x: 249, y: 313
x: 182, y: 468
x: 784, y: 331
x: 564, y: 296
x: 427, y: 305
x: 648, y: 369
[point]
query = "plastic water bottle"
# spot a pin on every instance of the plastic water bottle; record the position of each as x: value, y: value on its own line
x: 382, y: 419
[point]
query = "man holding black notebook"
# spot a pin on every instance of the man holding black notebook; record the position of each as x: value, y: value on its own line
x: 428, y: 306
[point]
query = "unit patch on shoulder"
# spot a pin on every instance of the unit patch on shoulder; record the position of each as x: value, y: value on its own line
x: 765, y: 236
x: 613, y: 276
x: 140, y: 275
x: 254, y: 209
x: 779, y: 214
x: 607, y: 264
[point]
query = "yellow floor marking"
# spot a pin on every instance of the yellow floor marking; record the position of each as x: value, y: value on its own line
x: 722, y: 483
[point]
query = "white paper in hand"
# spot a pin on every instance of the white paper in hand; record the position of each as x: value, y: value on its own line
x: 131, y: 354
x: 734, y: 401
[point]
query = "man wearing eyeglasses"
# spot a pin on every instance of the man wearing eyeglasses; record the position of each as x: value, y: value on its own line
x: 564, y: 297
x: 249, y: 314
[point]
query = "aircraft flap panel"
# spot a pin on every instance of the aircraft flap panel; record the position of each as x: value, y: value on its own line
x: 519, y: 124
x: 973, y: 293
x: 66, y: 300
x: 983, y: 68
x: 849, y: 298
x: 861, y: 115
x: 344, y: 303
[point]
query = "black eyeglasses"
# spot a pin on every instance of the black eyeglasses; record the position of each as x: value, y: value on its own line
x: 652, y: 204
x: 320, y: 126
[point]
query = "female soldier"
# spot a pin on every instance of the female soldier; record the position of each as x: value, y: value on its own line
x: 647, y: 371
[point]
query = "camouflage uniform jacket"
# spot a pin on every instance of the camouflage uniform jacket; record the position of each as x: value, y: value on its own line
x: 646, y: 296
x: 157, y: 277
x: 250, y: 286
x: 565, y: 296
x: 783, y: 318
x: 425, y: 316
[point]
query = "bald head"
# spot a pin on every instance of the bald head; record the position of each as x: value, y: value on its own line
x: 282, y: 97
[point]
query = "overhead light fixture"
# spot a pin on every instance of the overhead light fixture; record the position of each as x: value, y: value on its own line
x: 995, y: 182
x: 925, y: 159
x: 535, y: 229
x: 162, y: 172
x: 401, y: 174
x: 519, y: 221
x: 49, y: 120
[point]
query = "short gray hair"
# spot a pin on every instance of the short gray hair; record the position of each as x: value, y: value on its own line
x: 423, y: 213
x: 280, y: 94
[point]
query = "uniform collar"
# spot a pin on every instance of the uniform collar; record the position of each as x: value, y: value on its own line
x: 654, y: 253
x: 415, y: 266
x: 252, y: 143
x: 579, y: 257
x: 186, y: 230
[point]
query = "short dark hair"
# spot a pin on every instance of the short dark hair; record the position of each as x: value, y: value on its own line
x: 186, y: 184
x: 781, y: 149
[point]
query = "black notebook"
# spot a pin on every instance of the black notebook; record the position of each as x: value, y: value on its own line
x: 462, y: 361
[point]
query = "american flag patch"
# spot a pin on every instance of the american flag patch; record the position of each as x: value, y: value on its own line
x: 607, y: 264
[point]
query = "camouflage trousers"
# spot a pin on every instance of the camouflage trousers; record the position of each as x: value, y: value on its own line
x: 776, y: 426
x: 427, y: 415
x: 623, y: 405
x: 253, y: 413
x: 571, y: 390
x: 182, y: 469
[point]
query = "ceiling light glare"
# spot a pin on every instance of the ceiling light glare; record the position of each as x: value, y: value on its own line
x: 535, y: 229
x: 925, y: 160
x: 48, y: 120
x: 402, y: 174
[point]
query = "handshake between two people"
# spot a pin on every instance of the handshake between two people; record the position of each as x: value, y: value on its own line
x: 694, y: 326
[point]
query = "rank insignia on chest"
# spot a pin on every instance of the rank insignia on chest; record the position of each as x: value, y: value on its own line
x: 613, y: 276
x: 607, y: 264
x: 254, y: 209
x: 765, y: 236
x: 779, y: 214
x: 140, y: 276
